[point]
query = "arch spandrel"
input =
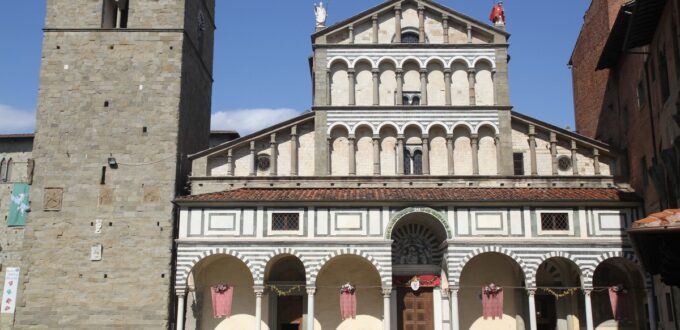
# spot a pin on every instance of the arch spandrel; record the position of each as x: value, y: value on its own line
x: 424, y: 210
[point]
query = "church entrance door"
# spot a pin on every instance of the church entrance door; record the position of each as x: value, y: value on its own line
x: 546, y: 314
x: 415, y: 309
x: 289, y: 313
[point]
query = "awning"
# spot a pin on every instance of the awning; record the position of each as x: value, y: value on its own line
x: 657, y: 241
x: 635, y: 26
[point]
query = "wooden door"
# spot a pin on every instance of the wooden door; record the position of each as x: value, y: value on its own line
x: 289, y: 313
x: 415, y: 310
x: 546, y: 313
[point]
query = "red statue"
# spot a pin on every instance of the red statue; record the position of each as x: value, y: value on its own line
x: 498, y: 14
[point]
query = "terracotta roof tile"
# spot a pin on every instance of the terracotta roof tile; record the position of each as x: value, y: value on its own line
x: 413, y: 194
x: 668, y: 218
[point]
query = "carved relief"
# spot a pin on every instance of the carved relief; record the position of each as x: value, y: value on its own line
x: 53, y: 199
x: 414, y: 245
x: 152, y: 195
x: 105, y: 196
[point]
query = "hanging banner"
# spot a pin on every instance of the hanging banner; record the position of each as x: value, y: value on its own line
x: 9, y: 293
x: 19, y: 205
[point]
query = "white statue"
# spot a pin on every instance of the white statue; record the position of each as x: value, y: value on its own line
x: 321, y: 14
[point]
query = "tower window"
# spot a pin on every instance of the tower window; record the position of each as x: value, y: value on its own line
x: 518, y: 162
x: 114, y: 14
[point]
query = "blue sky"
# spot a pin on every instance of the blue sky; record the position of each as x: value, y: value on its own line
x: 261, y: 69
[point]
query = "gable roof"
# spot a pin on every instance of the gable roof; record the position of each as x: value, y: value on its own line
x: 427, y: 3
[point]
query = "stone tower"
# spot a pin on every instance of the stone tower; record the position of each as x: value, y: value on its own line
x: 125, y: 94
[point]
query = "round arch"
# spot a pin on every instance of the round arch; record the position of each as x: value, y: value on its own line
x: 487, y: 124
x: 455, y: 276
x: 388, y: 59
x: 363, y: 123
x: 486, y: 59
x: 339, y: 59
x: 413, y: 59
x: 335, y: 125
x: 441, y: 61
x: 388, y: 124
x: 463, y: 124
x: 435, y: 124
x: 411, y: 210
x: 412, y: 123
x: 363, y: 59
x: 184, y: 274
x: 532, y: 281
x: 460, y: 59
x: 384, y: 277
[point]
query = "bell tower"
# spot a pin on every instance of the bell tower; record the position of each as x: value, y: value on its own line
x: 125, y: 96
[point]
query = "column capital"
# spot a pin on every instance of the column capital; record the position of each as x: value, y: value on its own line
x: 311, y: 290
x: 350, y: 71
x: 376, y: 137
x: 351, y: 27
x: 423, y: 71
x: 259, y: 290
x: 272, y: 138
x: 587, y: 291
x: 453, y: 291
x: 474, y: 137
x: 553, y: 137
x: 596, y: 152
x: 399, y: 71
x: 252, y: 146
x: 532, y: 130
x: 351, y: 137
x: 293, y: 131
x: 472, y: 70
x: 397, y: 7
x: 375, y: 71
x: 421, y: 7
x: 448, y: 71
x: 445, y: 18
x: 574, y: 147
x: 374, y: 17
x: 425, y: 137
x: 531, y: 292
x: 230, y: 152
x: 387, y: 292
x: 400, y: 137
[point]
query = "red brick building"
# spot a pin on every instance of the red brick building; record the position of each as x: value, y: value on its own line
x: 626, y: 77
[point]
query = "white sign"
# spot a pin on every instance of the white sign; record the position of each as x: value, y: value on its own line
x: 96, y: 252
x: 98, y: 226
x: 415, y: 284
x: 9, y: 293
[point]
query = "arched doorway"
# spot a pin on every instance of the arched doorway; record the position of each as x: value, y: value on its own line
x: 361, y: 274
x: 212, y: 271
x: 504, y: 272
x: 285, y: 278
x: 618, y: 272
x: 559, y: 299
x: 418, y: 246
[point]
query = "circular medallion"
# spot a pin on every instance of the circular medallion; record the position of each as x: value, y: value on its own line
x: 263, y: 162
x: 564, y: 163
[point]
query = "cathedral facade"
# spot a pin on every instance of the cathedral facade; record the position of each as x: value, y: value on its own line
x: 414, y: 183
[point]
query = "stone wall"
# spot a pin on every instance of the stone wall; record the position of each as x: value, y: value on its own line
x: 137, y: 96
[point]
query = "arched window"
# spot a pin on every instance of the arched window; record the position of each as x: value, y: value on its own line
x: 407, y: 162
x: 413, y: 162
x: 2, y: 170
x: 416, y: 100
x: 410, y: 38
x: 418, y: 162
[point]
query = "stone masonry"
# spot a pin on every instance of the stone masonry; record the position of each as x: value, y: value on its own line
x: 131, y: 94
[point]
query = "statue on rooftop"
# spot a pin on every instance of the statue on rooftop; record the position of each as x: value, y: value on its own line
x: 498, y: 14
x: 321, y: 15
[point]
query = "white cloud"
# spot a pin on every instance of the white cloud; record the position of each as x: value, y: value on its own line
x: 246, y: 121
x: 13, y: 120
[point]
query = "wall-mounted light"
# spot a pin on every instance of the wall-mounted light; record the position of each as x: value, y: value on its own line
x: 113, y: 163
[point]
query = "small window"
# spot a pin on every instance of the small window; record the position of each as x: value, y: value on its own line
x: 554, y: 221
x: 286, y: 221
x: 564, y: 163
x: 663, y: 73
x: 410, y: 38
x: 413, y: 162
x: 641, y: 94
x: 114, y: 14
x: 518, y: 162
x: 411, y: 98
x: 407, y: 162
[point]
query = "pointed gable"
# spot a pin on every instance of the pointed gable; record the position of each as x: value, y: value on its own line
x: 438, y: 22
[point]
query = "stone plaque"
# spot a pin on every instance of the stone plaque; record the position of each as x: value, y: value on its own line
x: 53, y: 199
x: 96, y: 252
x: 152, y: 195
x: 105, y: 196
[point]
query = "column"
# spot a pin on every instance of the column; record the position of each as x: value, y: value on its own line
x: 259, y: 290
x: 553, y: 152
x: 329, y: 87
x: 352, y: 149
x: 376, y: 154
x: 447, y: 86
x: 230, y: 162
x: 180, y: 311
x: 397, y: 24
x: 252, y: 159
x: 532, y: 309
x: 374, y: 18
x: 445, y: 27
x: 455, y: 318
x: 532, y: 150
x: 450, y: 146
x: 574, y: 157
x: 426, y: 154
x: 423, y: 86
x: 469, y: 33
x: 400, y: 88
x: 310, y: 308
x: 273, y: 155
x: 400, y: 154
x: 589, y: 309
x: 650, y: 308
x: 596, y: 161
x: 421, y: 23
x: 293, y: 151
x: 329, y: 144
x: 351, y: 89
x: 493, y: 83
x: 376, y: 87
x: 387, y: 292
x: 351, y: 33
x: 499, y: 162
x: 474, y: 142
x: 472, y: 82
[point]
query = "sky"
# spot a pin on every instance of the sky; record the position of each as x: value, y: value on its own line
x: 261, y: 58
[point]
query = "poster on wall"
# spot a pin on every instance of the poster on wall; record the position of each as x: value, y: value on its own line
x: 19, y: 205
x: 9, y: 293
